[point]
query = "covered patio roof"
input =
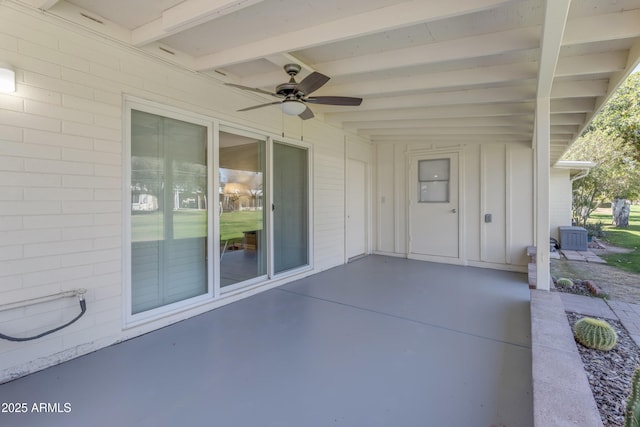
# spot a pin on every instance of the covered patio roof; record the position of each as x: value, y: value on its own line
x: 378, y: 342
x: 456, y: 71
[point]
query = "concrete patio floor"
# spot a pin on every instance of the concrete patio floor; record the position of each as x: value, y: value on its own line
x: 378, y: 342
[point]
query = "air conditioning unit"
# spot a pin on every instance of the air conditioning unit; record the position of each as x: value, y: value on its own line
x: 573, y: 238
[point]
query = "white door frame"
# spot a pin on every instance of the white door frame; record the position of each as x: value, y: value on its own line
x: 412, y: 158
x: 367, y: 210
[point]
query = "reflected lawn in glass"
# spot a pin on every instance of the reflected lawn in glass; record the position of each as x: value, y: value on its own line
x: 234, y: 224
x: 192, y: 223
x: 186, y: 224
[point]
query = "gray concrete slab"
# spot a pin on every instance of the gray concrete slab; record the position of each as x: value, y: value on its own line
x: 557, y: 368
x: 487, y: 303
x: 585, y: 256
x: 629, y: 315
x: 379, y: 342
x: 589, y: 306
x: 572, y: 255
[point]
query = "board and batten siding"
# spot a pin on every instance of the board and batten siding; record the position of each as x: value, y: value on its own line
x: 560, y: 201
x: 61, y: 189
x: 497, y: 180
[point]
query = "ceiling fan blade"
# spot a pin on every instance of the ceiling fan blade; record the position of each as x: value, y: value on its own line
x: 306, y: 114
x: 261, y: 105
x: 252, y: 89
x: 335, y: 100
x: 312, y: 82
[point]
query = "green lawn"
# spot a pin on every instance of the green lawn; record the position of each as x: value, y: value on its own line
x: 192, y: 223
x: 232, y: 224
x: 621, y: 237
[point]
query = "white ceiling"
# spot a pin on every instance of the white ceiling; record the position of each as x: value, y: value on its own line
x: 436, y: 70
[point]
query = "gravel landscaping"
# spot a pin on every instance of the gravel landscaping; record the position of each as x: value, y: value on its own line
x: 579, y: 288
x: 609, y: 373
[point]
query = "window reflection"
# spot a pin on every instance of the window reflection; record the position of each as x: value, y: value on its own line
x: 168, y: 211
x: 241, y: 198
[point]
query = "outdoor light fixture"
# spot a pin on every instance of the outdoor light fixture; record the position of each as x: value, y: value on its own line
x: 292, y: 108
x: 7, y: 78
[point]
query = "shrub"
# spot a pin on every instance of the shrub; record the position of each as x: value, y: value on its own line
x: 595, y: 229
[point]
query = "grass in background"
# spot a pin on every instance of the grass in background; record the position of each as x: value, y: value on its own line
x: 148, y: 226
x: 621, y: 237
x: 233, y: 224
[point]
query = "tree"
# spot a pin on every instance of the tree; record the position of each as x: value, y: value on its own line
x: 612, y: 141
x: 620, y: 117
x: 614, y: 176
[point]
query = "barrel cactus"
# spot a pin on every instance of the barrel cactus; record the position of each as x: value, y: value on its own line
x: 632, y: 413
x: 564, y: 283
x: 595, y: 333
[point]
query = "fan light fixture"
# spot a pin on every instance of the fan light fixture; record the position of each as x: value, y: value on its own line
x: 292, y: 108
x: 294, y: 95
x: 7, y: 78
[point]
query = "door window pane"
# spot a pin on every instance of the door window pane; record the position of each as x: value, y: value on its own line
x: 291, y: 207
x: 168, y: 211
x: 243, y: 249
x: 433, y: 181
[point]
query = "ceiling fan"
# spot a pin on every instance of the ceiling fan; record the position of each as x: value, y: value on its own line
x: 294, y: 95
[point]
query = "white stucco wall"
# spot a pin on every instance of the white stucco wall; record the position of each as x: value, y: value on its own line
x: 61, y: 142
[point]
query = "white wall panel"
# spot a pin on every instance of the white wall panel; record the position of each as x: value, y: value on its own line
x: 520, y: 211
x: 497, y: 179
x: 560, y: 200
x: 61, y: 178
x: 472, y: 207
x: 329, y: 188
x: 493, y: 202
x: 385, y: 199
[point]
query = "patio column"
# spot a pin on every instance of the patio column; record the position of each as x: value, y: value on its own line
x: 555, y: 20
x: 542, y: 160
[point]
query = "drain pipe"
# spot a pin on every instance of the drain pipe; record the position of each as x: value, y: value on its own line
x: 580, y: 175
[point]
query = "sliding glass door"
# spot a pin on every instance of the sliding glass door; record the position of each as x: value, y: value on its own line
x: 168, y: 211
x: 290, y: 207
x: 208, y: 214
x: 243, y: 249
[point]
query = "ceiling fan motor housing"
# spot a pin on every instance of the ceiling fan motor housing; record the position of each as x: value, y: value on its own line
x: 292, y: 69
x: 290, y: 90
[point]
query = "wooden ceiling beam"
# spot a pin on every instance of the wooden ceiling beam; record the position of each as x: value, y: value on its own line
x: 184, y: 16
x: 374, y: 21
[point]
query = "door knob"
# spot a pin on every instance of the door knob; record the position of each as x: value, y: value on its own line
x: 453, y: 210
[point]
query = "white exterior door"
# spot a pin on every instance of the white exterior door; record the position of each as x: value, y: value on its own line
x: 433, y: 210
x: 356, y: 208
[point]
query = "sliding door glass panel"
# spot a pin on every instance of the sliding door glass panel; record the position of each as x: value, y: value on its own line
x: 291, y: 207
x: 243, y: 249
x: 168, y: 211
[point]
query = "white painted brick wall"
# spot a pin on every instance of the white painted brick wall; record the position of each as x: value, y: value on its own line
x: 328, y: 175
x: 61, y: 179
x: 58, y: 140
